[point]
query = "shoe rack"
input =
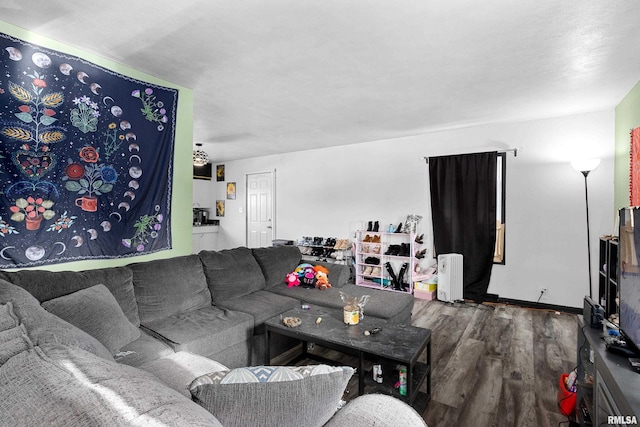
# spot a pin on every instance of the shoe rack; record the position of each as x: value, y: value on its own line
x: 382, y: 256
x: 325, y: 249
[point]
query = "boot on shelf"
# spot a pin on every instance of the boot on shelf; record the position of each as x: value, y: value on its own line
x: 402, y: 285
x: 394, y: 280
x: 370, y: 226
x: 376, y: 226
x: 399, y: 229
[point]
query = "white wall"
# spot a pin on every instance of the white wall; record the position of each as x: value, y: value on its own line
x: 329, y: 192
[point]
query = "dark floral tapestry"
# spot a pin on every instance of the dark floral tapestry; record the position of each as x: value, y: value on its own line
x: 86, y: 156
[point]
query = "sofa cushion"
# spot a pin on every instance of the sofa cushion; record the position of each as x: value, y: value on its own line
x: 262, y: 305
x: 231, y: 273
x: 8, y: 319
x: 376, y: 410
x: 205, y: 331
x: 15, y: 332
x: 145, y: 349
x: 276, y: 262
x: 95, y: 311
x: 273, y: 395
x: 170, y: 286
x: 43, y: 327
x: 56, y: 385
x: 46, y: 285
x: 392, y: 306
x: 15, y: 346
x: 179, y: 369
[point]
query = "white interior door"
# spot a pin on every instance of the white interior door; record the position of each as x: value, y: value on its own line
x: 260, y: 212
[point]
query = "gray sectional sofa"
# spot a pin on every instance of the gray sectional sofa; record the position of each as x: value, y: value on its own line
x: 129, y: 341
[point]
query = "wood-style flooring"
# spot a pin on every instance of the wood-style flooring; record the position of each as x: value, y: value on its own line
x: 492, y: 365
x: 496, y: 365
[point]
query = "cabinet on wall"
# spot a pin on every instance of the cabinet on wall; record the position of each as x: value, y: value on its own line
x: 202, y: 194
x: 606, y: 384
x: 204, y: 238
x: 386, y: 260
x: 608, y: 276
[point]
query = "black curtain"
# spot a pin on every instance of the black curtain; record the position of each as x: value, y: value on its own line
x: 463, y: 206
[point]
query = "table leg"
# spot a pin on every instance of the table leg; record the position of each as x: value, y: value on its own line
x: 361, y: 374
x: 267, y: 347
x: 409, y: 382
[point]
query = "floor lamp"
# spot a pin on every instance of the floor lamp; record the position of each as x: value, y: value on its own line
x: 585, y: 166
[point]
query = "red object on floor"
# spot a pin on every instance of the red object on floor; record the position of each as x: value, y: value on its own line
x: 566, y: 398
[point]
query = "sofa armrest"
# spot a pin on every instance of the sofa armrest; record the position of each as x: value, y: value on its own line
x: 338, y: 273
x: 376, y: 410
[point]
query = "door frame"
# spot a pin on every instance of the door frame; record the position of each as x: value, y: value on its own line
x: 272, y: 174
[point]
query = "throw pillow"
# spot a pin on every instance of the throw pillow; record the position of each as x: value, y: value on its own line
x: 272, y: 395
x: 96, y: 311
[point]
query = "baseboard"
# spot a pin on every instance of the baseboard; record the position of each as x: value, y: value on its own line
x: 538, y: 305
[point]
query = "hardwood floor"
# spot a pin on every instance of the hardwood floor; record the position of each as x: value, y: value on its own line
x: 496, y: 365
x: 492, y: 365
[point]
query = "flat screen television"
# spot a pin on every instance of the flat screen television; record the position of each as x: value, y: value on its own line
x: 629, y: 275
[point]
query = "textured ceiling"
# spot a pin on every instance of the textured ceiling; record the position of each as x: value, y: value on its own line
x: 286, y: 75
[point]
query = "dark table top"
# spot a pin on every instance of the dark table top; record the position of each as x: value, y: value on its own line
x: 397, y: 342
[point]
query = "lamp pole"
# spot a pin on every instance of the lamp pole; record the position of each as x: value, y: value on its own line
x: 585, y: 166
x: 586, y: 201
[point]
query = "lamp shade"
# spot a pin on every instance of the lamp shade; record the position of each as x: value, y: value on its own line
x: 200, y: 158
x: 585, y: 165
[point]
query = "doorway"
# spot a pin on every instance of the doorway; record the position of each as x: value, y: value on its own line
x: 260, y: 209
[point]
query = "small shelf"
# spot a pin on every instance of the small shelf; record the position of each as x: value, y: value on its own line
x: 396, y: 254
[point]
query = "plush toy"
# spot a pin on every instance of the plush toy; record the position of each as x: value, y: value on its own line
x: 293, y: 280
x: 309, y: 276
x: 322, y: 278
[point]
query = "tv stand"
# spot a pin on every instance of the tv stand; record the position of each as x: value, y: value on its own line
x: 607, y: 384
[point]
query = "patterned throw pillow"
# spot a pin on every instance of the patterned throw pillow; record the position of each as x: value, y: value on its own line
x: 272, y: 395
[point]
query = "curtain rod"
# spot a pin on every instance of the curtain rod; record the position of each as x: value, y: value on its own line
x: 506, y: 150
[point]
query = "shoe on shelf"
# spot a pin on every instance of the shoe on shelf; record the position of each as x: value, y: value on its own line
x: 375, y: 239
x: 345, y: 245
x: 367, y: 271
x: 367, y: 238
x: 370, y: 226
x: 419, y: 239
x: 375, y: 271
x: 338, y: 244
x: 376, y: 249
x: 365, y: 248
x: 405, y: 249
x: 421, y: 254
x: 376, y: 226
x: 399, y: 229
x: 391, y: 250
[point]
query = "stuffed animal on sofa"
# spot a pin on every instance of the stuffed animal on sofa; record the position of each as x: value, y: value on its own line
x: 293, y: 280
x: 308, y: 276
x: 322, y: 278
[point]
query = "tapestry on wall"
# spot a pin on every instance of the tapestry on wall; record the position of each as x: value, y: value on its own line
x: 86, y: 156
x: 634, y: 168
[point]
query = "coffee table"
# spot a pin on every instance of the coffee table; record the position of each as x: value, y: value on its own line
x: 393, y: 345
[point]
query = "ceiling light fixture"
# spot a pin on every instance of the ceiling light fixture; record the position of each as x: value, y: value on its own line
x: 200, y: 158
